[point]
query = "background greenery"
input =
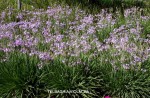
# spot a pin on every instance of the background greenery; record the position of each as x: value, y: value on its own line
x: 91, y: 6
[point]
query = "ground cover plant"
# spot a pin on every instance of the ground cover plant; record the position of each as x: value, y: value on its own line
x: 65, y: 48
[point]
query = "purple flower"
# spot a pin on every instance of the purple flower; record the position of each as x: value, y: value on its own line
x: 44, y: 56
x: 88, y: 19
x: 20, y: 16
x: 6, y: 50
x: 3, y: 14
x: 59, y: 37
x: 107, y: 96
x: 45, y: 32
x: 91, y: 30
x: 9, y: 34
x: 19, y: 42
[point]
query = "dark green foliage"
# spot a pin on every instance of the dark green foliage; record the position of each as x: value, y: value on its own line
x: 90, y: 6
x: 4, y: 4
x: 63, y: 77
x: 19, y: 76
x: 103, y: 33
x: 37, y: 3
x: 146, y: 29
x: 120, y: 21
x: 94, y: 6
x: 125, y: 83
x: 2, y: 55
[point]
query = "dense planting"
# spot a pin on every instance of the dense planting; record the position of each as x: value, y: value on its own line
x: 66, y: 32
x: 63, y: 48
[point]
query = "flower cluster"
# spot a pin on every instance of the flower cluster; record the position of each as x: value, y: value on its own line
x: 67, y: 32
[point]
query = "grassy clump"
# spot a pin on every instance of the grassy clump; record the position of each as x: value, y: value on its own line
x: 21, y: 77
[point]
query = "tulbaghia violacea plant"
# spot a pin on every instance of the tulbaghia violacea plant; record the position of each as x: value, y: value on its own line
x: 60, y: 31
